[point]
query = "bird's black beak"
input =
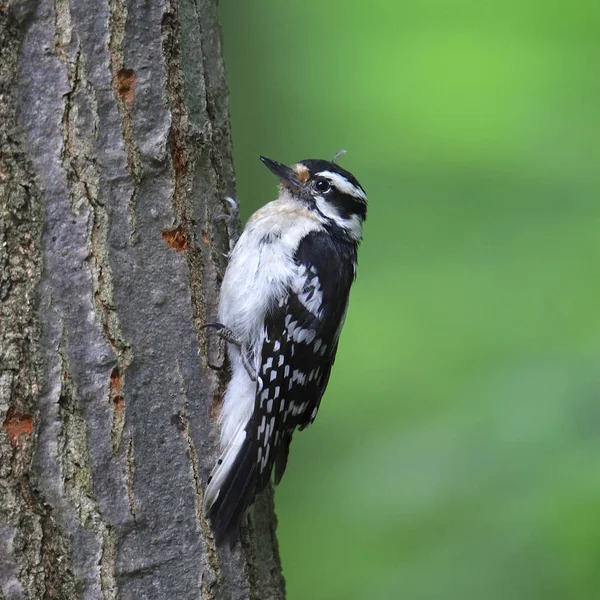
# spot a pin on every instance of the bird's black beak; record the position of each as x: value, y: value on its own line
x: 286, y: 174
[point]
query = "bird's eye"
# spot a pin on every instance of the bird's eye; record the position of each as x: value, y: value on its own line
x: 322, y: 185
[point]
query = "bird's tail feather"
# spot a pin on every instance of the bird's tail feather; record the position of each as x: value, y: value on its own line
x: 231, y: 487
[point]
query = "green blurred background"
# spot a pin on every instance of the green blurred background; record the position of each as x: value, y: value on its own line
x: 457, y: 450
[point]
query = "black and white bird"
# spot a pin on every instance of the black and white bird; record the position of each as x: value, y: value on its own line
x: 283, y: 303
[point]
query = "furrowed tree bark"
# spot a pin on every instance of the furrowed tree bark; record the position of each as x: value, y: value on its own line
x: 115, y: 157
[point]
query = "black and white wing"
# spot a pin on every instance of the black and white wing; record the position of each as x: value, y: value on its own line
x: 301, y: 339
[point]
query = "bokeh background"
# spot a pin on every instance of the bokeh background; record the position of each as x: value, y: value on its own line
x: 457, y: 450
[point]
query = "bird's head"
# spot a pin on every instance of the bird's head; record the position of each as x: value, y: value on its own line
x: 326, y: 188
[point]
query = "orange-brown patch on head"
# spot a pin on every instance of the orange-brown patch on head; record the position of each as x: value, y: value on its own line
x: 302, y: 172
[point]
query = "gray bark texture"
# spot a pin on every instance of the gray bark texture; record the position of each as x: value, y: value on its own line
x: 115, y: 157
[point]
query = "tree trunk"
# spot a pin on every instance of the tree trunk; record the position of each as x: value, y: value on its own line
x: 115, y: 156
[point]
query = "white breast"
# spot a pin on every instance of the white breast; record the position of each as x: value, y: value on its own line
x: 262, y: 266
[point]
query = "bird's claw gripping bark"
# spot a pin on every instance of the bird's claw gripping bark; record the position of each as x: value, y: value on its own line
x: 227, y: 335
x: 232, y: 219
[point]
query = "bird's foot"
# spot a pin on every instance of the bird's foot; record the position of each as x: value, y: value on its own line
x: 226, y: 334
x: 232, y: 218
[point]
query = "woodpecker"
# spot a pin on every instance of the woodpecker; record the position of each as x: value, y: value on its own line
x: 282, y: 306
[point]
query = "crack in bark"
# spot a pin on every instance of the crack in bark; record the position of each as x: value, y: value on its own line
x: 77, y: 475
x: 117, y: 30
x: 108, y: 581
x: 55, y: 553
x: 117, y: 400
x: 217, y: 130
x: 187, y: 147
x: 73, y: 449
x: 62, y: 24
x: 213, y: 148
x: 83, y: 177
x: 183, y: 160
x: 130, y: 475
x: 202, y: 523
x: 183, y: 156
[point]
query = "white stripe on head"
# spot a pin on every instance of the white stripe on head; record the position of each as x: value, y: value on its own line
x: 353, y: 225
x: 342, y: 184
